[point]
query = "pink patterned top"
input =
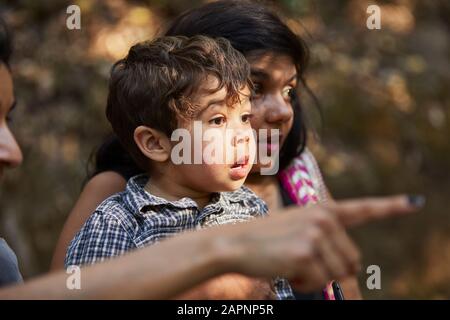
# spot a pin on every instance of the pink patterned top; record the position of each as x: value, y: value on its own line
x: 304, y: 184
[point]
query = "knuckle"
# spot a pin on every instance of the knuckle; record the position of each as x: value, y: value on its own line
x: 326, y: 221
x: 356, y: 257
x: 305, y: 254
x: 315, y: 234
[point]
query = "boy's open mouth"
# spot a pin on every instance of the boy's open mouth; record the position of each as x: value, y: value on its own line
x: 238, y: 169
x: 242, y: 162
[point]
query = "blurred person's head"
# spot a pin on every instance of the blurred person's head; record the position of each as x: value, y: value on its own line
x: 172, y: 83
x: 10, y: 154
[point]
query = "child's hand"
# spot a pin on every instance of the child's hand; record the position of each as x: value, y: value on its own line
x: 231, y: 287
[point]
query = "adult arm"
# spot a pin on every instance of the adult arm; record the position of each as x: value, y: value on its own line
x: 286, y: 245
x: 156, y: 272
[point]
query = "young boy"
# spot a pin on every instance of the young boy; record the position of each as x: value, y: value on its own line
x: 176, y: 83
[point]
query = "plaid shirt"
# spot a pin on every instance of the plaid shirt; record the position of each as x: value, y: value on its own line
x: 135, y: 218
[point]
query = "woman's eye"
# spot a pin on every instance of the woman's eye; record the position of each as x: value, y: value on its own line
x: 217, y: 121
x: 9, y: 117
x: 246, y: 117
x: 257, y: 90
x: 288, y: 92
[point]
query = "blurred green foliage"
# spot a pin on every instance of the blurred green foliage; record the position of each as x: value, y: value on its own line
x: 384, y: 95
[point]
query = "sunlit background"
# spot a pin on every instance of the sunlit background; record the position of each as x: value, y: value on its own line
x: 384, y: 94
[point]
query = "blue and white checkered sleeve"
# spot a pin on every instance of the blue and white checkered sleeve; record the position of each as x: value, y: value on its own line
x: 101, y: 237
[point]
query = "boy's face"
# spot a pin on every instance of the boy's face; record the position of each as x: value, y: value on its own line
x: 227, y: 142
x: 10, y: 154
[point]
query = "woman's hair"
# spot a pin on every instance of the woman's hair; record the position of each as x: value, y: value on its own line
x: 250, y: 27
x: 5, y: 43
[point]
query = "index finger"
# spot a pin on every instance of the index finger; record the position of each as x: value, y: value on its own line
x: 356, y: 212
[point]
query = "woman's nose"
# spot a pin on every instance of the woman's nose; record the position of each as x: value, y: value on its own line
x: 277, y: 109
x: 10, y: 153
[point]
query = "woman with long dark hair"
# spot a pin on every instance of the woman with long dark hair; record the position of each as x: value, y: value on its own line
x: 278, y: 59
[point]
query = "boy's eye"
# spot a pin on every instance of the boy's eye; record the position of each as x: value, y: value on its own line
x: 287, y: 92
x: 217, y: 121
x: 246, y: 117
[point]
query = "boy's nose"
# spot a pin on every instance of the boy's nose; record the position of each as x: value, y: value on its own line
x: 10, y: 153
x: 240, y: 137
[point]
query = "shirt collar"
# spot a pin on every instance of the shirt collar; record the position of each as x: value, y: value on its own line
x: 237, y: 196
x: 137, y: 199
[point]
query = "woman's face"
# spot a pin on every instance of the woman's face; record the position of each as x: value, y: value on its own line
x: 10, y: 154
x: 274, y: 76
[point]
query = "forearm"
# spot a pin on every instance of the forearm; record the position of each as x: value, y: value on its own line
x: 158, y: 272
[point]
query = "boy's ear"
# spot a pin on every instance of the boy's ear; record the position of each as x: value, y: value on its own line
x: 153, y: 143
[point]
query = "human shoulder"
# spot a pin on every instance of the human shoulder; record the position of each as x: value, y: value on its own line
x: 8, y: 265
